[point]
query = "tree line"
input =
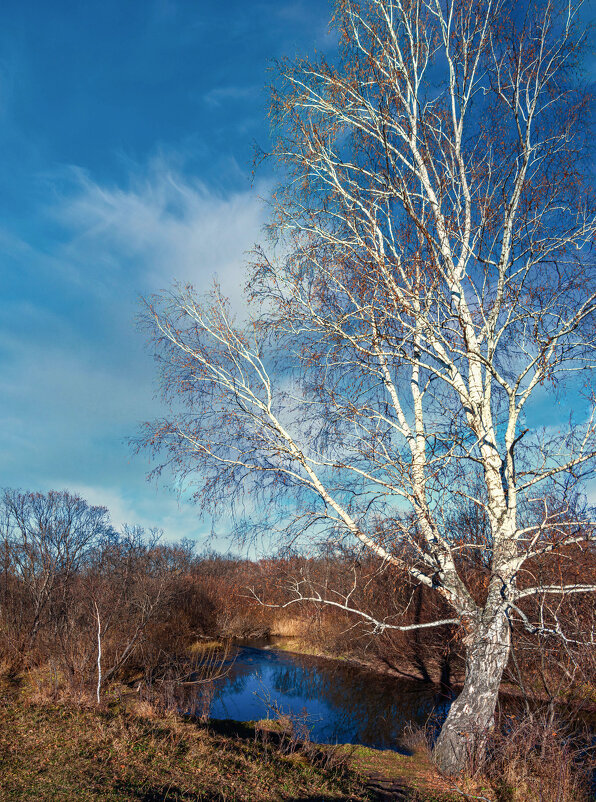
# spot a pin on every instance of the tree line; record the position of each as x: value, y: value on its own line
x: 87, y: 606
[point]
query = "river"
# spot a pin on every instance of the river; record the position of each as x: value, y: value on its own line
x: 337, y: 701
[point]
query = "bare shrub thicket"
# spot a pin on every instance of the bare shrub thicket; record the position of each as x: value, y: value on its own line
x: 554, y: 662
x: 536, y: 758
x: 87, y: 602
x: 66, y: 576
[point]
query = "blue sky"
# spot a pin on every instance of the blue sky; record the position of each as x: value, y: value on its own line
x: 126, y: 139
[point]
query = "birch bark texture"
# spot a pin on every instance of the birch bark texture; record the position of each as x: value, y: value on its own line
x: 429, y: 284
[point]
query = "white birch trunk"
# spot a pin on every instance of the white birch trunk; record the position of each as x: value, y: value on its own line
x: 471, y: 715
x: 99, y: 678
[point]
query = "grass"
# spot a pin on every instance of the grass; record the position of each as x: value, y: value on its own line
x: 65, y: 751
x: 289, y: 627
x: 201, y: 646
x: 58, y: 752
x: 56, y: 745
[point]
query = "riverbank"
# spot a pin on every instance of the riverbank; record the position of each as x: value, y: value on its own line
x: 65, y: 752
x: 404, y: 670
x: 61, y: 752
x: 58, y: 746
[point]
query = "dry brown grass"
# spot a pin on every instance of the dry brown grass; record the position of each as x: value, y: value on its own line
x: 289, y: 627
x: 199, y: 647
x: 538, y: 761
x: 528, y: 759
x: 61, y: 752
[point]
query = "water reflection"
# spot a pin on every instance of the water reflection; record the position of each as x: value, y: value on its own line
x: 343, y: 703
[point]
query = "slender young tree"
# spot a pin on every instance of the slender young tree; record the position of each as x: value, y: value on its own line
x: 435, y: 286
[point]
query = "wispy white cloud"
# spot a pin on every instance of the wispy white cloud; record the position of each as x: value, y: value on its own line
x: 156, y: 509
x: 161, y: 227
x: 231, y: 94
x: 77, y: 381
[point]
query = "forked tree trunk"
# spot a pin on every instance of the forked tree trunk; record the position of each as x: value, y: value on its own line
x: 471, y: 715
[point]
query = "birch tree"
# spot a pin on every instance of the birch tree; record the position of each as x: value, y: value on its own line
x: 434, y: 291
